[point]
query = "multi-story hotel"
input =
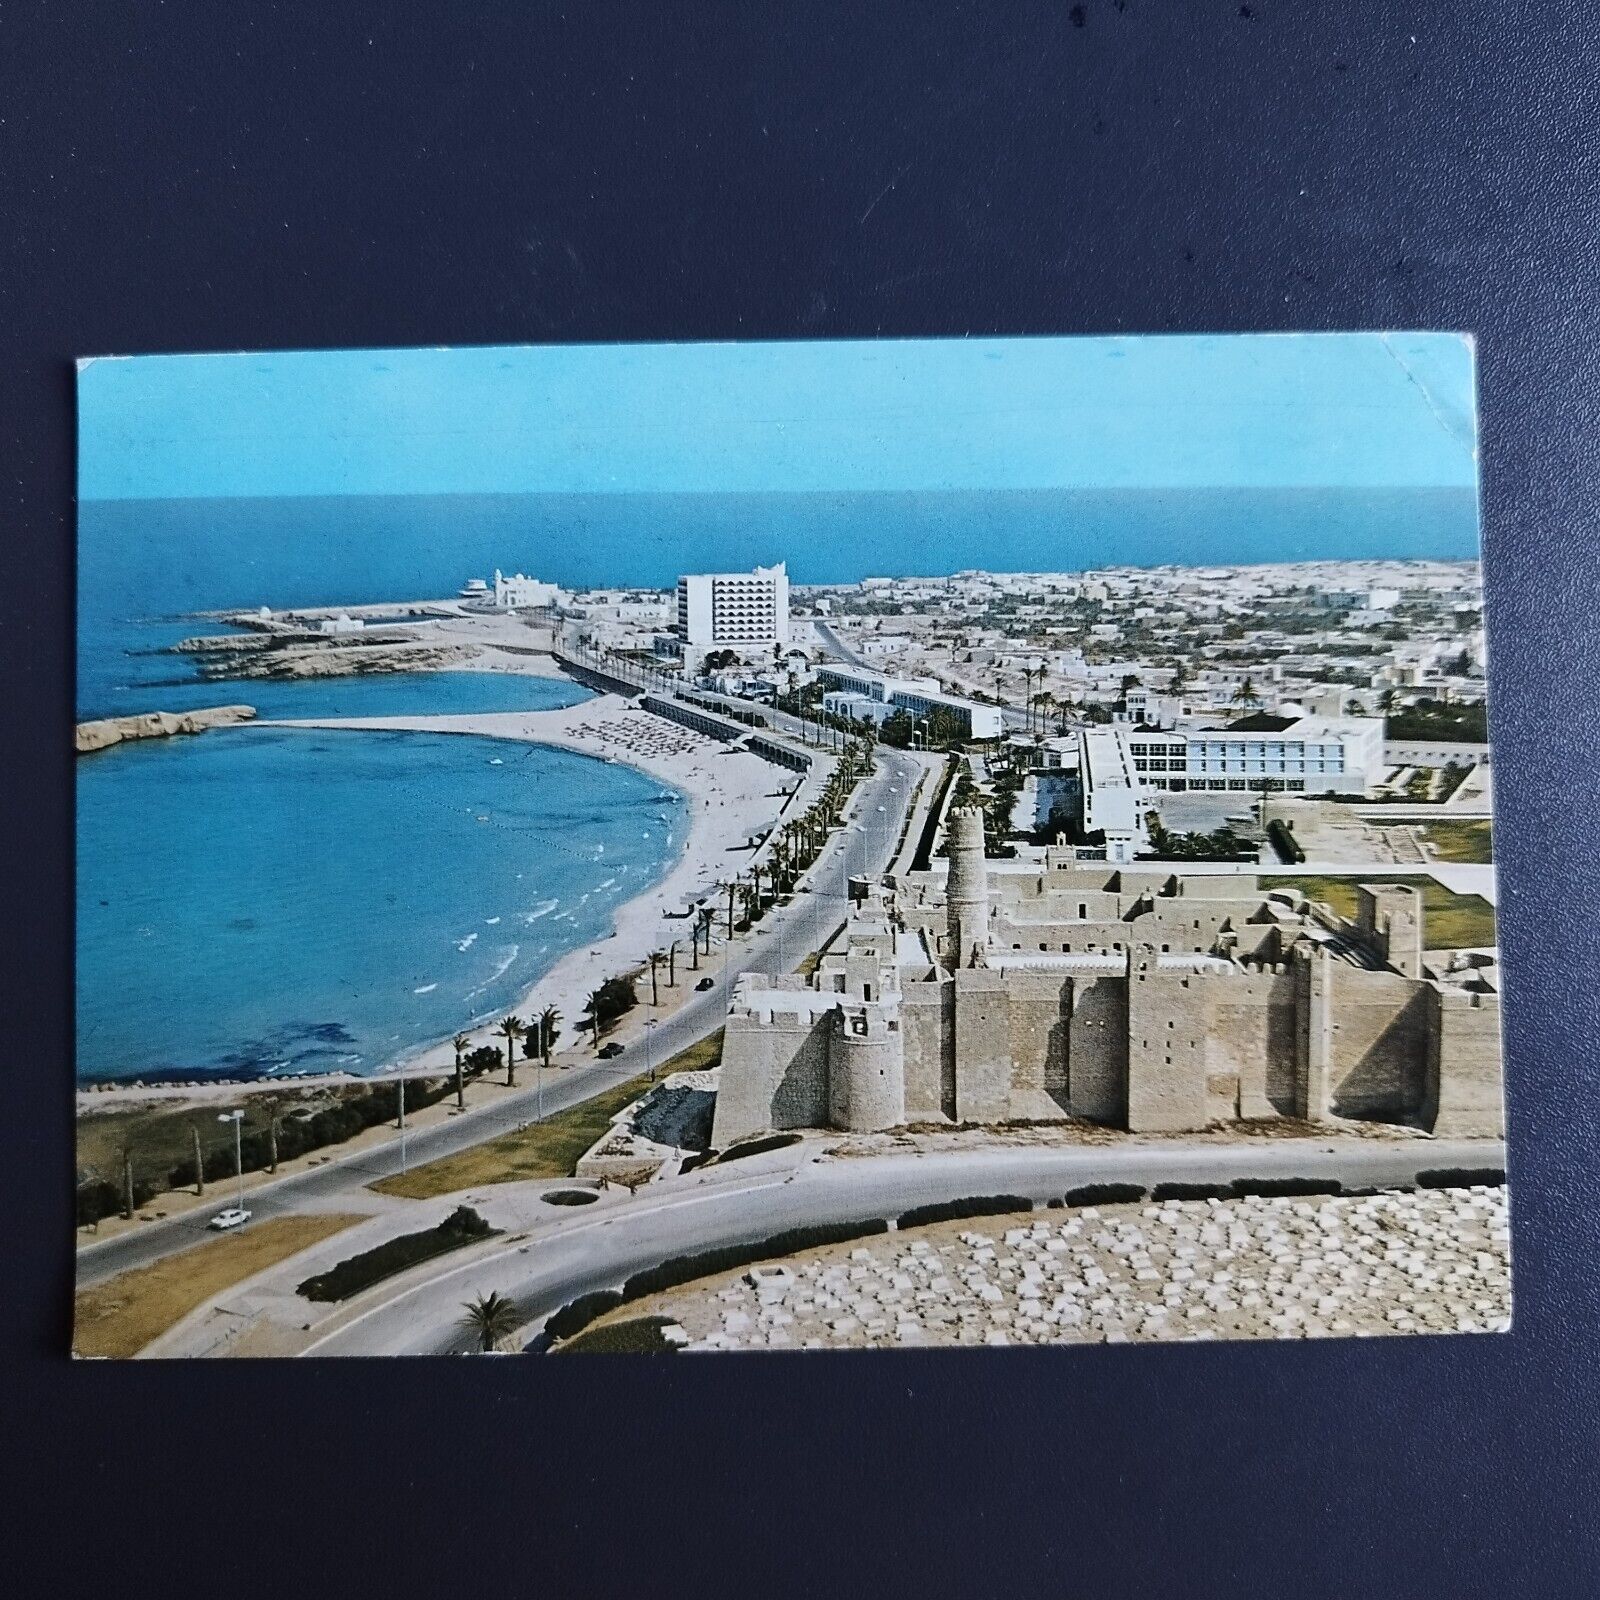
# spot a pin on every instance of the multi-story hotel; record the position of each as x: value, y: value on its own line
x: 735, y: 610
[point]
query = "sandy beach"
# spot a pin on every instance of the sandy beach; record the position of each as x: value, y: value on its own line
x: 730, y: 798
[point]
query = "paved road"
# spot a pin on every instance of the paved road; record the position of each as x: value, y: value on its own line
x: 864, y: 844
x: 567, y: 1258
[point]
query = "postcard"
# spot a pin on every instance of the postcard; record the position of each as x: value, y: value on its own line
x: 814, y: 846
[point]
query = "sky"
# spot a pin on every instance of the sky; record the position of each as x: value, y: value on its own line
x: 1249, y: 411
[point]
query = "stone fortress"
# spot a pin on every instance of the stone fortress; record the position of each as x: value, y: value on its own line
x: 1142, y: 999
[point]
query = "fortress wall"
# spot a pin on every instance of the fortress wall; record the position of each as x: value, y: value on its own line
x: 983, y: 1045
x: 1041, y: 1012
x: 927, y: 1022
x: 1097, y: 1049
x: 1464, y: 1097
x: 1035, y: 897
x: 1382, y: 1040
x: 1184, y: 929
x: 774, y: 1075
x: 1222, y: 886
x: 1169, y: 1024
x: 1251, y: 1038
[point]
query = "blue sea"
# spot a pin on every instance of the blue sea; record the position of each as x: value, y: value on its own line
x: 260, y: 901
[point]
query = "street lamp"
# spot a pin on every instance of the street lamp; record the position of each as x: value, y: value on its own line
x: 237, y: 1119
x: 649, y: 1047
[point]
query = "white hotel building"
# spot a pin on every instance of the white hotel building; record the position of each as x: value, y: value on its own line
x: 1305, y: 755
x: 872, y: 697
x: 734, y: 610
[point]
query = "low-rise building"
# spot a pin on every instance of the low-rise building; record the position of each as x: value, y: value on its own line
x: 921, y: 697
x: 520, y: 592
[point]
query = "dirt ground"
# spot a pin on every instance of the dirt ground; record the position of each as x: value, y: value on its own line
x: 122, y: 1315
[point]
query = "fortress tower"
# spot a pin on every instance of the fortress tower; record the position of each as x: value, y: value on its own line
x: 866, y: 1069
x: 967, y: 893
x: 1391, y: 916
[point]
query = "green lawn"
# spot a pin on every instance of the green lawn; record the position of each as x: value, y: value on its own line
x: 548, y: 1149
x: 1451, y: 921
x: 1466, y: 840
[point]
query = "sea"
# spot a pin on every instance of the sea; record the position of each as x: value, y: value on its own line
x: 257, y: 902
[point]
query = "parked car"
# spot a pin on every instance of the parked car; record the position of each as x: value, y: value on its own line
x: 705, y: 983
x: 610, y: 1052
x: 233, y: 1217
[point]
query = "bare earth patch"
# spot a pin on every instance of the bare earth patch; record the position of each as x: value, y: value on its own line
x: 122, y: 1315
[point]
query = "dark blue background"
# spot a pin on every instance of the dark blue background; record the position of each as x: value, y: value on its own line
x: 201, y: 175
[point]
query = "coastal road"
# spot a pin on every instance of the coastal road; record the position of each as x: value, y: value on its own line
x: 864, y: 844
x: 569, y: 1257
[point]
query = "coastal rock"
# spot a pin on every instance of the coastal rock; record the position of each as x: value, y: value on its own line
x: 108, y: 731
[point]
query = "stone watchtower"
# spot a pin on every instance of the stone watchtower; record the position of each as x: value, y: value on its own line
x: 1391, y: 917
x: 967, y: 888
x: 866, y: 1068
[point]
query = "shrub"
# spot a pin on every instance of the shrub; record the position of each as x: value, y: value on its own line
x: 1460, y: 1177
x: 1104, y: 1194
x: 993, y: 1205
x: 614, y: 998
x: 462, y: 1227
x: 576, y: 1315
x: 679, y: 1270
x: 1190, y: 1191
x: 1285, y: 1186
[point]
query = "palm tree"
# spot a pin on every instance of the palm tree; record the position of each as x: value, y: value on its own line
x: 592, y: 1007
x: 655, y: 992
x: 491, y: 1319
x: 548, y: 1029
x: 672, y: 964
x: 1245, y: 695
x: 460, y: 1043
x: 511, y: 1027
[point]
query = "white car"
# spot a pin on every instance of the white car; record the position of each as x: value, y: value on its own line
x: 233, y: 1217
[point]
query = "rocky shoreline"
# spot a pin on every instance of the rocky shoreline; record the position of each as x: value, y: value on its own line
x: 105, y: 732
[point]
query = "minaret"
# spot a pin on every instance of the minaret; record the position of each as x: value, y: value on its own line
x: 967, y: 889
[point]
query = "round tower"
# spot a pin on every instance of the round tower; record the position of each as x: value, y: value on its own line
x: 967, y: 888
x: 866, y: 1070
